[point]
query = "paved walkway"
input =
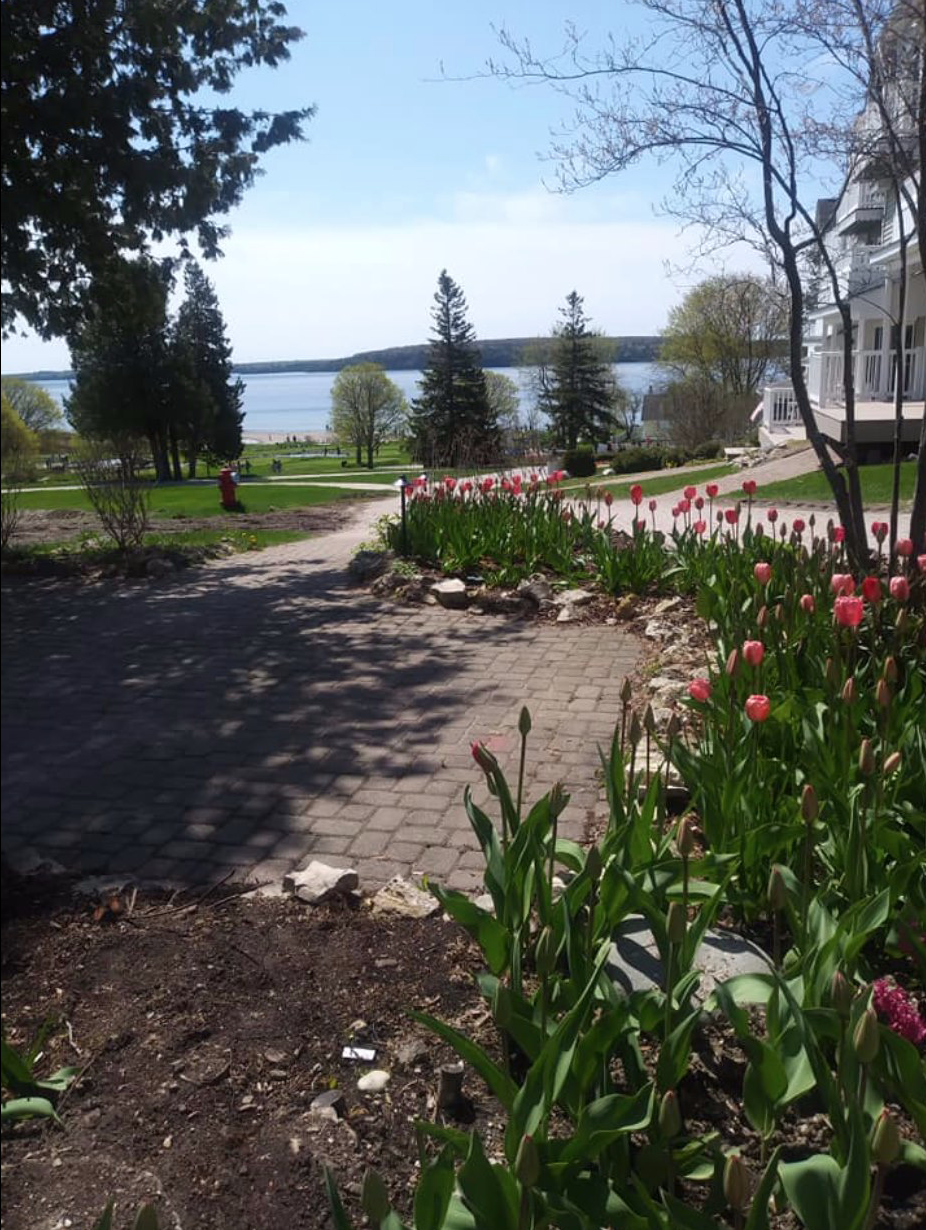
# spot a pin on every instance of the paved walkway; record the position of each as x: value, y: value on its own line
x: 259, y: 713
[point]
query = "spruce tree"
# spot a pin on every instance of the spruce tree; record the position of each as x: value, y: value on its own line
x: 207, y: 399
x: 452, y: 421
x: 579, y: 392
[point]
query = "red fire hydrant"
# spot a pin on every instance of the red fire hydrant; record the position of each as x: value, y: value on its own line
x: 227, y: 488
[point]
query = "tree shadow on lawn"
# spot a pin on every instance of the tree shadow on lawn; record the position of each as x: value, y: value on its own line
x: 182, y: 730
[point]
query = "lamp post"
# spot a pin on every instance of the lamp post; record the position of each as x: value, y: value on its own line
x: 403, y: 484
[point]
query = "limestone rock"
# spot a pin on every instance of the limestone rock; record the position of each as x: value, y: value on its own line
x: 318, y: 882
x: 536, y: 588
x: 566, y: 615
x: 634, y: 964
x: 400, y: 896
x: 573, y: 597
x: 451, y: 594
x: 367, y: 565
x: 666, y: 605
x: 374, y: 1082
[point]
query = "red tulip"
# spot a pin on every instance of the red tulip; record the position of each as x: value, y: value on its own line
x: 690, y: 493
x: 808, y: 606
x: 797, y: 525
x: 753, y: 652
x: 731, y: 515
x: 921, y: 562
x: 879, y: 530
x: 871, y: 589
x: 712, y: 489
x: 608, y: 498
x: 749, y: 486
x: 699, y: 689
x: 900, y: 589
x: 848, y: 611
x: 652, y: 505
x: 757, y: 708
x: 636, y: 493
x: 699, y: 503
x: 684, y: 505
x: 772, y: 515
x: 699, y: 527
x: 762, y: 572
x: 904, y: 546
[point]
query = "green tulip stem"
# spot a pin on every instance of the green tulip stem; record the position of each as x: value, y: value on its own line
x: 524, y: 1209
x: 522, y: 762
x: 669, y: 980
x: 877, y: 1190
x: 686, y: 873
x: 776, y: 944
x: 806, y: 876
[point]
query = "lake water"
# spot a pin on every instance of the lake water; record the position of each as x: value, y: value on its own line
x: 299, y: 403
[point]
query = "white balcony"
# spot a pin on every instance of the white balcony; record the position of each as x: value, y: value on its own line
x: 874, y: 375
x: 861, y: 209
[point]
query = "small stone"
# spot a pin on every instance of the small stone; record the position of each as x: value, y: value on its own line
x: 656, y: 630
x: 537, y: 588
x: 331, y: 1101
x: 485, y: 902
x: 167, y: 1142
x: 374, y: 1082
x: 276, y: 1057
x: 412, y: 1052
x: 666, y: 605
x: 399, y: 896
x: 566, y: 615
x: 318, y: 882
x: 278, y: 1074
x: 573, y: 597
x: 451, y: 594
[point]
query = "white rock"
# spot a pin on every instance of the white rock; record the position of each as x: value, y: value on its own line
x: 566, y: 615
x: 537, y: 588
x: 485, y: 902
x: 450, y: 593
x: 666, y: 605
x: 318, y: 882
x: 573, y: 597
x: 373, y: 1082
x: 400, y: 896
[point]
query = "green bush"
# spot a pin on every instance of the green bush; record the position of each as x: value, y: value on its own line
x: 633, y: 460
x: 579, y: 462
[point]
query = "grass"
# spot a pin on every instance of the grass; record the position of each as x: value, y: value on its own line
x: 97, y: 549
x: 671, y: 480
x: 876, y: 485
x: 192, y: 500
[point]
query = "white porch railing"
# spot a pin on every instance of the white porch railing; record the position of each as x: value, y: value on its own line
x: 874, y: 373
x: 779, y: 407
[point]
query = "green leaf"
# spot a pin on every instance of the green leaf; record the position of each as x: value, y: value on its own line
x: 498, y: 1081
x: 674, y: 1053
x: 435, y: 1187
x: 490, y: 1192
x: 105, y: 1219
x: 146, y: 1218
x: 338, y: 1215
x: 607, y: 1118
x: 27, y: 1108
x: 484, y: 927
x: 757, y: 1218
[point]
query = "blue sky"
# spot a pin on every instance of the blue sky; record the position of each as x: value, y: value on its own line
x: 338, y: 246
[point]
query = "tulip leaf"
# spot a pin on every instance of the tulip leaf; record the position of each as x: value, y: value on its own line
x: 490, y: 1192
x: 434, y: 1190
x: 498, y: 1081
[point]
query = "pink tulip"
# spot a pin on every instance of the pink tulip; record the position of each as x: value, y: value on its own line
x: 900, y: 589
x: 608, y: 498
x: 731, y: 515
x: 711, y: 489
x: 797, y: 525
x: 753, y: 652
x: 690, y: 493
x: 652, y: 505
x: 842, y: 583
x: 762, y: 572
x: 904, y: 546
x: 700, y: 690
x: 871, y: 589
x: 699, y: 503
x: 757, y: 708
x: 684, y: 505
x: 921, y: 562
x: 636, y: 493
x: 772, y: 515
x: 699, y: 527
x: 879, y: 530
x: 848, y: 611
x: 808, y: 606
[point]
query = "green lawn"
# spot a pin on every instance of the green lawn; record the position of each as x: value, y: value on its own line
x: 190, y: 500
x: 876, y: 485
x: 660, y: 483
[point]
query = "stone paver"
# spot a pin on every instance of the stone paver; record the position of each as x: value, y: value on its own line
x: 261, y: 713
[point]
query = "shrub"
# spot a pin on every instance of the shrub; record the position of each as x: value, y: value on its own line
x: 633, y: 460
x: 579, y: 462
x: 109, y: 474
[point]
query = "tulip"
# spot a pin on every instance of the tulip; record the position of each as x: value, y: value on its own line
x: 737, y: 1182
x: 527, y: 1162
x: 700, y: 690
x: 685, y: 837
x: 879, y: 530
x: 848, y: 611
x: 731, y: 515
x: 762, y: 617
x: 699, y: 527
x: 684, y: 506
x: 871, y: 589
x: 712, y: 489
x: 753, y: 652
x: 670, y: 1116
x: 890, y: 669
x: 636, y: 493
x: 690, y: 493
x: 483, y: 757
x: 809, y: 805
x: 842, y: 583
x: 652, y: 505
x: 772, y: 515
x: 676, y: 923
x: 807, y: 604
x: 757, y: 708
x: 921, y: 563
x: 900, y: 589
x: 903, y: 546
x: 866, y: 1037
x: 841, y: 993
x: 797, y: 525
x: 885, y: 1140
x: 883, y: 695
x: 777, y: 892
x: 626, y: 691
x: 762, y: 572
x: 699, y: 503
x: 839, y: 534
x: 749, y: 486
x: 848, y: 691
x: 732, y: 663
x: 608, y: 498
x: 891, y: 763
x: 866, y: 758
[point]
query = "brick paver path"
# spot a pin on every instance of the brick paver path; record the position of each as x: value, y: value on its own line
x: 261, y: 712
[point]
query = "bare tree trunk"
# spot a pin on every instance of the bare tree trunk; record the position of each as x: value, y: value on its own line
x: 897, y: 456
x: 176, y: 468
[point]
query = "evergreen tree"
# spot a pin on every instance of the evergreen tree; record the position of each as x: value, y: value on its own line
x: 120, y: 358
x: 578, y: 392
x: 452, y: 422
x: 206, y: 398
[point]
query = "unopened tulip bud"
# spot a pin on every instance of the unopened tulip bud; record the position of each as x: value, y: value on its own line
x: 593, y: 864
x: 626, y: 691
x: 900, y: 622
x: 866, y: 1037
x: 777, y: 891
x: 374, y: 1198
x: 885, y: 1140
x: 524, y: 723
x: 484, y: 758
x: 848, y: 690
x: 636, y: 729
x: 866, y: 758
x: 685, y: 837
x: 883, y: 694
x: 558, y: 799
x: 809, y: 806
x: 673, y: 726
x: 676, y: 923
x: 762, y: 617
x: 649, y: 720
x: 732, y: 663
x: 545, y: 952
x: 527, y: 1162
x: 670, y: 1115
x: 891, y: 763
x: 737, y: 1182
x: 779, y: 612
x: 829, y: 671
x: 841, y: 993
x: 890, y: 669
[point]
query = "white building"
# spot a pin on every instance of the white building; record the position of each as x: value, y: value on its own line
x: 863, y: 232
